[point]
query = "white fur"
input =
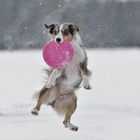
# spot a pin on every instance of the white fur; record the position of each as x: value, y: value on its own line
x: 79, y: 54
x: 86, y: 83
x: 71, y: 126
x: 78, y: 39
x: 52, y: 79
x: 59, y: 35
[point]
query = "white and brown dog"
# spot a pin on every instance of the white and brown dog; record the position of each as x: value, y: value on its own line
x: 59, y: 91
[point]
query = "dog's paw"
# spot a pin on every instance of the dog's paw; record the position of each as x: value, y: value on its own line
x: 74, y: 128
x: 86, y: 83
x: 88, y: 87
x: 70, y: 126
x: 34, y: 112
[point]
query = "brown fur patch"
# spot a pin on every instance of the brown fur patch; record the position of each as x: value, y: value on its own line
x: 43, y: 98
x: 65, y: 104
x: 67, y: 37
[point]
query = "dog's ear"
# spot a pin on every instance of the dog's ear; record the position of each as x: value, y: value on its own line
x: 50, y: 28
x: 73, y: 28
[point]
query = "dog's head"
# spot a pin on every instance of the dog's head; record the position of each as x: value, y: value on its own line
x: 61, y: 32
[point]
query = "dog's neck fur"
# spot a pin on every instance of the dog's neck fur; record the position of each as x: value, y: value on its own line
x: 77, y: 38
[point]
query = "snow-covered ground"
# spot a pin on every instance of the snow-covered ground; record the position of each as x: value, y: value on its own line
x: 110, y: 111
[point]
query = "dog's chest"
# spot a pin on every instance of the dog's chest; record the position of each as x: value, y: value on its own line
x: 72, y: 71
x: 79, y: 54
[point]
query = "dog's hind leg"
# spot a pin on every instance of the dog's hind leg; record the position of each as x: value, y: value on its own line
x: 44, y: 93
x: 70, y: 110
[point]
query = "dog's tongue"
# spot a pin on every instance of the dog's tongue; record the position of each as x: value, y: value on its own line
x: 58, y: 55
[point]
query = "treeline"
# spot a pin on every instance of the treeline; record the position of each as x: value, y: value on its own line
x: 102, y: 24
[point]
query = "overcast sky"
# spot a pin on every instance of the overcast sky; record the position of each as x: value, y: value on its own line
x: 101, y: 24
x: 120, y: 0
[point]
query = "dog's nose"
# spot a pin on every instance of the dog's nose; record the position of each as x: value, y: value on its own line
x: 58, y: 40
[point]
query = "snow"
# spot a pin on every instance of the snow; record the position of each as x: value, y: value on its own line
x: 110, y: 111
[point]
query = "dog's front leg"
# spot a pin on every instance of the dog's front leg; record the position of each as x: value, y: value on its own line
x: 85, y: 73
x: 52, y: 79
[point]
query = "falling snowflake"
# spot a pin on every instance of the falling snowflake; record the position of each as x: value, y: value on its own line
x: 25, y: 28
x: 99, y: 25
x: 44, y: 32
x: 59, y: 5
x: 40, y: 3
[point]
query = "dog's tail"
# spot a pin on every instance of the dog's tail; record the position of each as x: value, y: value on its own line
x: 48, y: 71
x: 37, y: 94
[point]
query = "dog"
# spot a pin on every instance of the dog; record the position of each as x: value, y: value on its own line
x: 59, y: 90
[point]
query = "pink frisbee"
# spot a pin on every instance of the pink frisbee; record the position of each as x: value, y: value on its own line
x: 58, y: 55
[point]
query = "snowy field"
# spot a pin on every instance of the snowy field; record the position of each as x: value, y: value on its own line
x: 110, y: 111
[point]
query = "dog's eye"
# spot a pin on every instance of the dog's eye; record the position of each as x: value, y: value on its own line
x: 65, y: 32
